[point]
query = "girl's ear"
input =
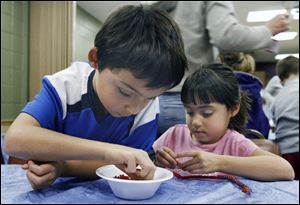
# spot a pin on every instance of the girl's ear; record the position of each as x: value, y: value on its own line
x: 93, y: 57
x: 235, y: 110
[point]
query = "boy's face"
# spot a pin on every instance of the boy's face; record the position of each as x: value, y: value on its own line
x: 121, y: 93
x: 208, y: 122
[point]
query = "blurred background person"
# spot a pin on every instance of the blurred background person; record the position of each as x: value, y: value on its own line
x: 244, y: 68
x: 269, y: 93
x: 285, y: 111
x: 206, y: 25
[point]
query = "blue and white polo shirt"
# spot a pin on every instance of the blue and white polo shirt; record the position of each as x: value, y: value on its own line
x: 67, y: 103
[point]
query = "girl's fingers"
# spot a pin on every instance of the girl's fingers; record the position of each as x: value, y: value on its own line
x: 165, y: 162
x: 190, y: 165
x: 186, y: 154
x: 169, y: 151
x: 167, y: 155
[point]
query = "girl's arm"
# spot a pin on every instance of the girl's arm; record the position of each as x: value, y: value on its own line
x: 262, y: 165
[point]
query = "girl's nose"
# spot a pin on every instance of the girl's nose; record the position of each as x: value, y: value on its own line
x: 197, y: 121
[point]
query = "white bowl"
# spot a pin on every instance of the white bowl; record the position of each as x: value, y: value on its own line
x: 133, y: 189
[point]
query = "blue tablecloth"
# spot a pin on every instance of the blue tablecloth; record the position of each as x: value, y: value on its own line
x: 16, y: 189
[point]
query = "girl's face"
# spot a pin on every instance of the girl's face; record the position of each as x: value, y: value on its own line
x: 208, y: 122
x: 121, y: 93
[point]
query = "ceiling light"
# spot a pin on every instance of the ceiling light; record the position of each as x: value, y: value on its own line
x: 284, y: 36
x: 260, y: 16
x: 148, y: 2
x: 282, y: 56
x: 295, y: 13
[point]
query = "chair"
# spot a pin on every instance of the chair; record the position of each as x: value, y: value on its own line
x: 264, y: 144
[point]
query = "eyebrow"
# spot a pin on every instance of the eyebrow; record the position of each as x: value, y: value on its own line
x: 199, y: 106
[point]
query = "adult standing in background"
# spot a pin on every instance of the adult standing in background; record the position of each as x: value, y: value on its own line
x: 205, y: 25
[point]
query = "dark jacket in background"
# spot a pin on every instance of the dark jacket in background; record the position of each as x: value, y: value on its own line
x: 253, y: 86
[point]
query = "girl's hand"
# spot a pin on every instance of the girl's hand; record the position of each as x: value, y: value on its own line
x: 201, y: 163
x: 42, y: 175
x: 165, y: 157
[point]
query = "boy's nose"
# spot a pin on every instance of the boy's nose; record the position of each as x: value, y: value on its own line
x: 135, y: 107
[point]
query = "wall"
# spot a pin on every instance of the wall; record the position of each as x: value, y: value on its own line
x: 86, y: 29
x: 50, y: 40
x: 14, y: 58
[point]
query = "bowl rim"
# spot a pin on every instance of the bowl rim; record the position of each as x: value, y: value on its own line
x: 98, y: 172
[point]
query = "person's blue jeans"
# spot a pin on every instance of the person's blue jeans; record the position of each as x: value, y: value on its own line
x: 171, y: 111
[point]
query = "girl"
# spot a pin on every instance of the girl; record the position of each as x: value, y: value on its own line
x: 213, y: 140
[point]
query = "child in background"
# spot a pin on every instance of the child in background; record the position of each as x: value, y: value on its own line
x: 271, y: 90
x: 105, y: 112
x: 244, y: 68
x: 213, y: 140
x: 285, y: 111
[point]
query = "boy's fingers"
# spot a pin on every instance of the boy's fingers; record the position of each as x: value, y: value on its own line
x: 38, y: 182
x: 130, y: 165
x: 25, y: 166
x: 145, y: 174
x: 39, y: 169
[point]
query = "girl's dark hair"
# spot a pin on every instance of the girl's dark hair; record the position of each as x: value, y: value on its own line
x: 217, y: 83
x: 145, y: 41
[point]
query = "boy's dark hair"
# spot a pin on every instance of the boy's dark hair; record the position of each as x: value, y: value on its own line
x: 144, y: 40
x: 217, y: 83
x: 287, y: 66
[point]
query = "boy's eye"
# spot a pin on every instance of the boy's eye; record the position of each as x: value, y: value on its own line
x: 190, y: 113
x: 123, y: 92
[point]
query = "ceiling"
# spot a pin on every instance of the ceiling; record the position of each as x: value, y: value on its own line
x: 101, y: 9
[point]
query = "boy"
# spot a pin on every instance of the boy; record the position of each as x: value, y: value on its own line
x: 285, y: 111
x: 82, y: 115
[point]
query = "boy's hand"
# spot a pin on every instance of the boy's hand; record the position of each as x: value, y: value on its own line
x: 165, y: 157
x: 42, y: 175
x: 201, y: 163
x: 127, y: 159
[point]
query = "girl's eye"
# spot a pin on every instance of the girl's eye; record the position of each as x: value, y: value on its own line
x: 207, y: 114
x: 124, y: 92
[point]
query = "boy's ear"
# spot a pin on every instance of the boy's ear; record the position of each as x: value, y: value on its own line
x: 235, y: 110
x: 93, y: 57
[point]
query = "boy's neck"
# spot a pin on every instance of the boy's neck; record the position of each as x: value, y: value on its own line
x: 291, y: 78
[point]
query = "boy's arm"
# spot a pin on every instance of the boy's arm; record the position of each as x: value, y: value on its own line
x: 82, y: 168
x: 26, y: 139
